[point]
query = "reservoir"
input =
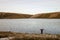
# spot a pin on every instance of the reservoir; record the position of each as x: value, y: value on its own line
x: 30, y: 25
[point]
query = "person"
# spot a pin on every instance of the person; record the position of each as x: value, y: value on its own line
x: 41, y: 31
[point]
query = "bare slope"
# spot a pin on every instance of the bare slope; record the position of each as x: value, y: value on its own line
x: 47, y: 15
x: 6, y: 15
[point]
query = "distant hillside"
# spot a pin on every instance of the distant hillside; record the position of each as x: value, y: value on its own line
x: 47, y: 15
x: 6, y: 15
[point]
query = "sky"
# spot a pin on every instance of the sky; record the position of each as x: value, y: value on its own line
x: 30, y: 6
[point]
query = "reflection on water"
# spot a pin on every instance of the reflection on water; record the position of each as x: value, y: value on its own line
x: 30, y: 25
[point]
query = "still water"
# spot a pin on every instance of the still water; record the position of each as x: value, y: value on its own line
x: 30, y: 25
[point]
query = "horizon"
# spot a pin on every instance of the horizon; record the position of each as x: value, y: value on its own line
x: 31, y: 14
x: 30, y: 6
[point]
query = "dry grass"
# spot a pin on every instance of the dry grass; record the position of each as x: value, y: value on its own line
x: 47, y: 15
x: 26, y: 36
x: 8, y: 15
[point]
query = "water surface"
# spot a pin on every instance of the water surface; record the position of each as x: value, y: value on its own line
x: 30, y: 25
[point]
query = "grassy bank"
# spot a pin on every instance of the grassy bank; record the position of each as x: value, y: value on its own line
x: 26, y: 36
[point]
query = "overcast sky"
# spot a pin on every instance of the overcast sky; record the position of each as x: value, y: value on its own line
x: 29, y: 6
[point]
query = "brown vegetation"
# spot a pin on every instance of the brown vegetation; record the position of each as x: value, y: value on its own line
x: 6, y: 15
x: 6, y: 34
x: 26, y: 36
x: 47, y: 15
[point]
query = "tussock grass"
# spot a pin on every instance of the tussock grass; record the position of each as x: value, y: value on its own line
x: 26, y: 36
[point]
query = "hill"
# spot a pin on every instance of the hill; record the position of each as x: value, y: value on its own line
x: 7, y: 15
x: 47, y: 15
